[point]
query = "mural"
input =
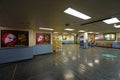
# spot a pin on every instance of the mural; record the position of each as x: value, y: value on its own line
x: 42, y: 38
x: 13, y: 38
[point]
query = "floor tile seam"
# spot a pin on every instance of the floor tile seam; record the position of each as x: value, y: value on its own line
x: 14, y: 71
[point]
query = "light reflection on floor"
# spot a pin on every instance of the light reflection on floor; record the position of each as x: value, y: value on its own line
x: 71, y: 63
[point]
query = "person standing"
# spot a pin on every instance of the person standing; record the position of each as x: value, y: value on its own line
x: 54, y: 44
x: 85, y: 43
x: 92, y: 42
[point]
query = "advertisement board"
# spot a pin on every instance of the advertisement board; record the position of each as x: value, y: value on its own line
x: 13, y: 38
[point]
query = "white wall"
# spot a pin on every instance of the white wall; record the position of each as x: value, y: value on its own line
x: 32, y: 35
x: 70, y: 38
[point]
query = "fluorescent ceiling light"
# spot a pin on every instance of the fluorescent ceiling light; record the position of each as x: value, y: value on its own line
x: 46, y: 29
x: 76, y: 14
x: 116, y: 26
x: 55, y: 32
x: 90, y: 32
x: 96, y: 32
x: 74, y: 34
x: 68, y: 29
x: 65, y: 33
x: 111, y: 21
x: 81, y: 31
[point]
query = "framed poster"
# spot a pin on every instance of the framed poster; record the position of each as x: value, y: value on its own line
x: 47, y: 38
x: 42, y: 38
x: 13, y: 38
x: 110, y: 36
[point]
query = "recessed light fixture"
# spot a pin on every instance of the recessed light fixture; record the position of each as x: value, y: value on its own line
x: 76, y: 13
x: 81, y: 31
x: 46, y: 29
x: 68, y: 29
x: 111, y: 21
x: 116, y: 26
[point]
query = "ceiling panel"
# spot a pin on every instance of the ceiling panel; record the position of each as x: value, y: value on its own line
x: 49, y: 13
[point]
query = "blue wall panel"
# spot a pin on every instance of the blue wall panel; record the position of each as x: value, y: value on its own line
x: 42, y: 49
x: 15, y: 54
x: 116, y: 44
x: 22, y: 53
x: 68, y: 42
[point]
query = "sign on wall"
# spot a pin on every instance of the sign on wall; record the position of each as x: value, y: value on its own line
x: 13, y: 38
x: 42, y: 38
x: 64, y: 37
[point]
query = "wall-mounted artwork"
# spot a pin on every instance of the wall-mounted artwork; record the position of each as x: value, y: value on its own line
x: 110, y: 36
x: 13, y: 38
x: 42, y: 38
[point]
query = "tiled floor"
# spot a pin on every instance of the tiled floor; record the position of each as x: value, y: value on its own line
x: 72, y: 63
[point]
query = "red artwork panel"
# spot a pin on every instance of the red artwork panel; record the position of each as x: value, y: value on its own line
x: 42, y: 38
x: 12, y: 38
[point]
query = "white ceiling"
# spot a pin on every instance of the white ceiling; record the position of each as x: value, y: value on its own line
x: 50, y: 13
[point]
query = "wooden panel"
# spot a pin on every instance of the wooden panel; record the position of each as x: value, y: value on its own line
x: 99, y: 44
x: 108, y: 45
x: 104, y: 44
